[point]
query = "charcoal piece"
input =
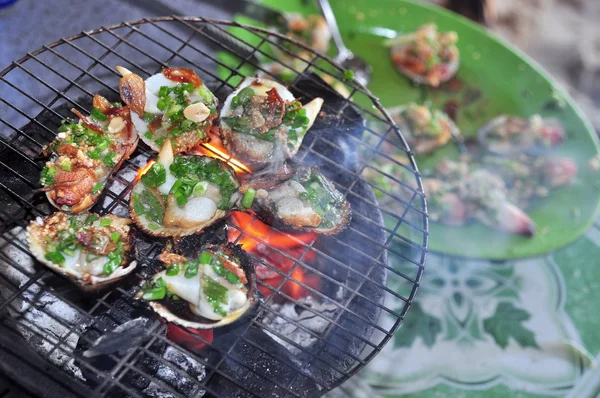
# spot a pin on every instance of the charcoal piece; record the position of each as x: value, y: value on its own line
x: 110, y: 318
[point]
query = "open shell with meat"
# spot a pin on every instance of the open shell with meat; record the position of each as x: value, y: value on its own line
x: 425, y: 129
x: 263, y: 124
x: 301, y: 199
x: 512, y: 135
x: 89, y: 250
x: 85, y: 154
x: 182, y: 195
x: 426, y: 56
x: 173, y: 104
x: 214, y: 288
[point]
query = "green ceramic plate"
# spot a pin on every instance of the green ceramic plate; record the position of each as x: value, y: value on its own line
x: 494, y: 78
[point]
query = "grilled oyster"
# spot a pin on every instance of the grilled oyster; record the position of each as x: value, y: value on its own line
x: 425, y: 129
x: 426, y: 56
x: 174, y: 103
x: 213, y: 289
x: 85, y: 154
x: 262, y: 123
x: 181, y: 195
x: 510, y: 135
x: 91, y: 251
x: 304, y: 199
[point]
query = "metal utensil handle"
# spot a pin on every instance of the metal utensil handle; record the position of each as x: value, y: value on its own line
x: 343, y: 52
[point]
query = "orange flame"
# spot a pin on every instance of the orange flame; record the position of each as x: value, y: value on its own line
x: 280, y: 251
x: 214, y: 152
x: 144, y: 170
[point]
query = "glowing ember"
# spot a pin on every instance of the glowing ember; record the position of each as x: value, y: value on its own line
x: 185, y: 337
x: 143, y: 170
x: 270, y: 245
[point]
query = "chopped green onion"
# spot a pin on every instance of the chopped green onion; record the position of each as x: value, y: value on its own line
x: 161, y: 105
x: 149, y: 117
x: 155, y: 293
x: 153, y: 226
x: 47, y: 177
x: 248, y: 198
x: 65, y: 164
x: 115, y: 236
x: 106, y: 222
x: 109, y: 159
x: 97, y: 188
x: 90, y: 219
x: 200, y: 188
x: 205, y: 258
x: 173, y: 270
x: 349, y: 74
x: 96, y: 114
x: 214, y: 291
x: 55, y: 256
x: 69, y: 252
x: 191, y: 270
x: 157, y: 175
x: 93, y: 155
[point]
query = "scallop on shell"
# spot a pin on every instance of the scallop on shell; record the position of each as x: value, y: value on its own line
x: 511, y: 135
x: 213, y: 289
x: 258, y: 140
x: 402, y: 55
x: 303, y: 200
x: 157, y: 203
x: 89, y: 250
x: 417, y: 124
x: 85, y: 154
x: 186, y: 119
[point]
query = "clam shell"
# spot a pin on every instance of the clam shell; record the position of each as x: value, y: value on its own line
x: 420, y: 79
x: 420, y: 145
x: 255, y: 152
x: 90, y: 199
x: 505, y: 147
x: 143, y: 223
x: 166, y: 158
x: 246, y: 264
x: 264, y: 211
x: 90, y: 283
x: 182, y: 144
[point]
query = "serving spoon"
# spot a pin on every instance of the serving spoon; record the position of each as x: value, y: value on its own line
x: 345, y: 57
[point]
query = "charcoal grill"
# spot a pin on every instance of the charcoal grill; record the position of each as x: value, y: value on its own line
x: 287, y: 346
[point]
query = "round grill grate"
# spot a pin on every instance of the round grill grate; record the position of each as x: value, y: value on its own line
x: 335, y: 304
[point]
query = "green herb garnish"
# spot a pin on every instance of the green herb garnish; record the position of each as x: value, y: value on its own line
x: 157, y: 175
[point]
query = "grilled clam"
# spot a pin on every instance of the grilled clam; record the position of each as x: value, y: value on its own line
x: 85, y: 154
x: 510, y: 135
x: 304, y: 199
x: 426, y: 56
x: 173, y: 104
x: 425, y: 129
x: 181, y: 195
x: 262, y: 123
x: 91, y: 251
x: 212, y: 289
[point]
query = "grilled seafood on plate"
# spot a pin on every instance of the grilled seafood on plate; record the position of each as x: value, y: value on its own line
x: 181, y: 195
x: 426, y: 56
x: 509, y: 135
x: 303, y: 199
x: 85, y: 154
x: 173, y: 104
x: 211, y: 290
x: 91, y: 251
x: 425, y: 129
x: 263, y: 124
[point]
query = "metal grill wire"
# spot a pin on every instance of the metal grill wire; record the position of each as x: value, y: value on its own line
x: 83, y: 64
